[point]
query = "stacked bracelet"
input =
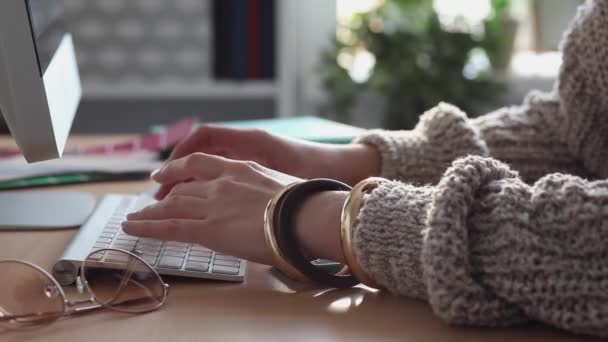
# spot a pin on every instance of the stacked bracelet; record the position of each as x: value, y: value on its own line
x: 288, y: 240
x: 350, y: 218
x: 281, y: 238
x: 280, y: 259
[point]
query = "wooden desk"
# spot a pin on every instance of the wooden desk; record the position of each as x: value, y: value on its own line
x: 265, y: 307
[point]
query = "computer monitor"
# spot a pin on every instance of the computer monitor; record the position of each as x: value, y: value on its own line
x: 39, y: 95
x: 39, y: 82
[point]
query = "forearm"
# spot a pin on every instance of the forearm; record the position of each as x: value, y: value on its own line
x: 351, y: 163
x: 487, y: 249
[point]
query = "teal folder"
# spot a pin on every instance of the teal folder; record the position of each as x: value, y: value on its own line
x: 302, y: 127
x: 305, y: 127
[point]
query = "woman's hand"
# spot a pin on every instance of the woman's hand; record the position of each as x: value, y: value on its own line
x: 348, y: 163
x: 219, y: 203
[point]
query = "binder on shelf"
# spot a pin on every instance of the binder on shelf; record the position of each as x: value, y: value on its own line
x: 239, y: 57
x: 254, y: 70
x: 268, y: 37
x: 222, y: 42
x: 244, y: 39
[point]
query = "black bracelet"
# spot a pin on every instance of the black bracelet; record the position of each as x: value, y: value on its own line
x: 288, y: 240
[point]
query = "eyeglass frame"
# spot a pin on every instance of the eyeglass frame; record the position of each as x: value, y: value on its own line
x: 71, y: 308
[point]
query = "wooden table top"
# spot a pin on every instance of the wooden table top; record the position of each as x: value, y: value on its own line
x: 265, y: 307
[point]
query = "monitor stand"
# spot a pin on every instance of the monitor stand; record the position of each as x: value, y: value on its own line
x: 39, y: 210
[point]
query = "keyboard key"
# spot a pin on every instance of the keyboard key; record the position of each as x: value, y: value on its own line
x: 151, y: 242
x: 149, y: 259
x: 124, y: 247
x: 200, y: 248
x: 225, y: 257
x: 146, y: 252
x: 104, y: 240
x: 226, y: 263
x: 117, y: 257
x: 101, y: 245
x: 149, y: 245
x: 97, y: 256
x: 171, y: 262
x: 125, y: 242
x: 176, y: 249
x: 226, y: 270
x: 197, y: 266
x: 107, y: 235
x: 199, y: 259
x: 125, y: 237
x: 176, y: 244
x: 201, y: 254
x: 174, y: 254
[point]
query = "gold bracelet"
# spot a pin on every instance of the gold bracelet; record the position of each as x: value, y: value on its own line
x: 281, y: 261
x: 350, y: 218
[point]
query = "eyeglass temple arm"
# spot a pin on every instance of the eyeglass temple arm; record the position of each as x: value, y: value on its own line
x: 38, y: 316
x: 76, y: 310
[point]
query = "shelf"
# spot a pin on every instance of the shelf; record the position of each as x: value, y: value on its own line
x: 180, y: 91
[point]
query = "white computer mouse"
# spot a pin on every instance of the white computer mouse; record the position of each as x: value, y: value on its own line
x: 44, y: 209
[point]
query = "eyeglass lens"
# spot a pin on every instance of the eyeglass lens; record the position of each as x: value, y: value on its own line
x: 28, y: 295
x: 120, y: 281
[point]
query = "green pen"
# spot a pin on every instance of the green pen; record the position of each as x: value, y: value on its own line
x: 71, y: 178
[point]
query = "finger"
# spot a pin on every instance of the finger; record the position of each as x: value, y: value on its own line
x: 163, y: 191
x: 208, y: 139
x: 190, y: 144
x: 200, y: 189
x: 173, y: 207
x: 169, y: 230
x: 193, y: 166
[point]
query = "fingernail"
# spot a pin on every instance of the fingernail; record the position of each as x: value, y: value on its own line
x: 154, y: 173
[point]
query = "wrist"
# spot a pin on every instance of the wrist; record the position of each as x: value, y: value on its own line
x: 317, y: 226
x: 355, y: 162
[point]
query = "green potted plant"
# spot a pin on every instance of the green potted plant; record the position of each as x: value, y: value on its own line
x: 499, y: 35
x: 418, y: 63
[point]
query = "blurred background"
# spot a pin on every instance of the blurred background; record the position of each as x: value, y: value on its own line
x: 370, y: 63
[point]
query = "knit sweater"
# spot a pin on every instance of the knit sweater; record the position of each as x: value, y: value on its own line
x: 502, y: 219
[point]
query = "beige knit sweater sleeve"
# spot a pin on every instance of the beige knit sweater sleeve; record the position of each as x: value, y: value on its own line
x: 461, y: 225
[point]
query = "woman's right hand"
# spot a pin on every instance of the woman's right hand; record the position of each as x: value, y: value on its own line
x: 348, y: 163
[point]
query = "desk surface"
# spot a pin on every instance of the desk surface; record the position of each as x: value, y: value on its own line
x: 265, y: 307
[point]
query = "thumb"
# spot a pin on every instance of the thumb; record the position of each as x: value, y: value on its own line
x: 210, y: 139
x: 195, y: 166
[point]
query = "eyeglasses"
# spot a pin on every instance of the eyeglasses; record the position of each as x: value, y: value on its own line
x: 113, y: 279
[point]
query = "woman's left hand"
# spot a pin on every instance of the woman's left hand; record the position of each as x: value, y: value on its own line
x: 217, y: 202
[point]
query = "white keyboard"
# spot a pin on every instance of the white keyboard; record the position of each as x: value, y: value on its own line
x: 103, y: 230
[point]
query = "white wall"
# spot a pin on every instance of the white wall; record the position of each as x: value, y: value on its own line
x: 307, y: 27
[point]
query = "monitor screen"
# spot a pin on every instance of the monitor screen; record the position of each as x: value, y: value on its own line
x: 48, y: 29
